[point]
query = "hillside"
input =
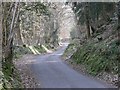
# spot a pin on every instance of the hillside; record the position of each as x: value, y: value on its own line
x: 98, y: 55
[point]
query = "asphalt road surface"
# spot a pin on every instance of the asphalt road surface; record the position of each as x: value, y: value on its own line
x: 52, y: 72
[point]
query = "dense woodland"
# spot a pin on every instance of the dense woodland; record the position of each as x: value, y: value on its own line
x: 29, y: 27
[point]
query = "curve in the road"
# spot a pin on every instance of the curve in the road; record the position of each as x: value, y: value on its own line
x: 52, y: 72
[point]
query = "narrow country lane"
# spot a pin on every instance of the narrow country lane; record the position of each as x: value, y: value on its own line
x: 85, y: 36
x: 52, y: 72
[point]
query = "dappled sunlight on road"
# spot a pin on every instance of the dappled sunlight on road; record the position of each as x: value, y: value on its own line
x: 35, y: 51
x: 47, y: 50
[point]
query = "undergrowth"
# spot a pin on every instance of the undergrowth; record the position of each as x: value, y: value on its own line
x: 40, y: 49
x: 10, y: 77
x: 20, y: 50
x: 70, y: 49
x: 98, y: 57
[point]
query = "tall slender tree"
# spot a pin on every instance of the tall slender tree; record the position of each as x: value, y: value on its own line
x: 118, y: 28
x: 87, y: 19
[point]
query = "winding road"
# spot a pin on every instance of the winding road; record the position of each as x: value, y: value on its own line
x: 52, y: 72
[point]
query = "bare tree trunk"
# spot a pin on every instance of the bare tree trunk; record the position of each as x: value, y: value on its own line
x: 118, y: 43
x: 1, y: 36
x: 20, y: 42
x: 9, y: 47
x: 87, y: 20
x: 12, y: 23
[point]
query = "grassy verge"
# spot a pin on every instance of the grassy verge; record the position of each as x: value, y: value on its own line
x: 98, y: 59
x: 72, y: 47
x: 20, y: 50
x: 10, y: 74
x: 11, y: 77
